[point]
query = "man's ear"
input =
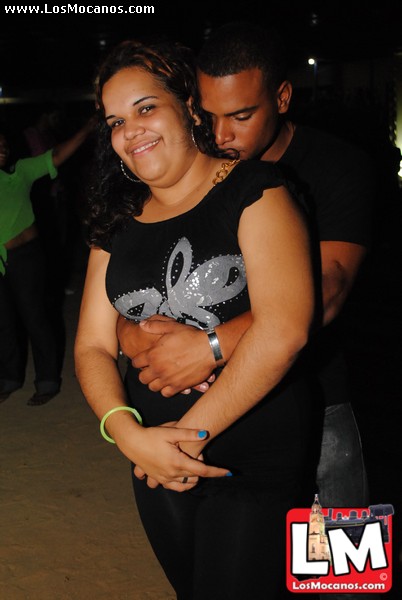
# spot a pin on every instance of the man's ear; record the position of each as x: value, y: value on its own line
x: 284, y: 95
x: 190, y: 106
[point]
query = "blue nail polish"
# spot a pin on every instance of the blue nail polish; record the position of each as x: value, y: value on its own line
x: 229, y: 474
x: 202, y: 434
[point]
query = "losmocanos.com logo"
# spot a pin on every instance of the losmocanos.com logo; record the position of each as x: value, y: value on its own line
x: 339, y: 550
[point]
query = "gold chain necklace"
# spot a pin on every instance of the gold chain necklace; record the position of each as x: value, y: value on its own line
x: 224, y: 170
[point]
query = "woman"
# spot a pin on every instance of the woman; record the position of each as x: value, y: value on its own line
x: 22, y: 272
x: 173, y: 231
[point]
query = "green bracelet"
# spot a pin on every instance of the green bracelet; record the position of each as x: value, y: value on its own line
x: 110, y: 412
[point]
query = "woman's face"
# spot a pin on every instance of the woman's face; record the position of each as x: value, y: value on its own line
x: 148, y: 127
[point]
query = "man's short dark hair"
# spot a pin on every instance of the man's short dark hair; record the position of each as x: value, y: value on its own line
x: 239, y: 46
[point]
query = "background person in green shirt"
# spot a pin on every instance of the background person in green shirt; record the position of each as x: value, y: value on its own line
x: 22, y: 272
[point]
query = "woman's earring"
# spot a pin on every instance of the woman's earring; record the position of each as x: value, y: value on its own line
x: 133, y: 179
x: 192, y: 136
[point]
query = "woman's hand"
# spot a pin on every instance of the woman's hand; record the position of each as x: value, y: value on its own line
x: 202, y: 387
x: 157, y: 455
x: 183, y: 485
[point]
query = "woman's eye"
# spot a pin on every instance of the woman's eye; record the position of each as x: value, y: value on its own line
x: 116, y: 123
x: 145, y: 109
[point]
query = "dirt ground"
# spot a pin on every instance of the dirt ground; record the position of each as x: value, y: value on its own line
x: 69, y: 526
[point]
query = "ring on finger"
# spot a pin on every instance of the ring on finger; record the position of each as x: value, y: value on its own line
x: 184, y: 480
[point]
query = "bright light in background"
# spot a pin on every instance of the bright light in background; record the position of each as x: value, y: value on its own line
x: 314, y: 63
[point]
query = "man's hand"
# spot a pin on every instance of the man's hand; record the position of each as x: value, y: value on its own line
x: 133, y: 339
x: 179, y: 359
x: 175, y: 357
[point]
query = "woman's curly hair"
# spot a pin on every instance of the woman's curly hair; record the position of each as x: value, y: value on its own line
x: 112, y: 198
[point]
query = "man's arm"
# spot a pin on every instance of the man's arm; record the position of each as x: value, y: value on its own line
x: 175, y: 356
x: 340, y: 263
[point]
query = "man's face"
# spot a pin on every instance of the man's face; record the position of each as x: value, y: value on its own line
x: 244, y: 112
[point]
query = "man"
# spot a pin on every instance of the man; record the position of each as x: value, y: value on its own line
x: 244, y: 90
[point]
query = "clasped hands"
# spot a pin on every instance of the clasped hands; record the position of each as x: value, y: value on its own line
x: 172, y: 457
x: 172, y: 358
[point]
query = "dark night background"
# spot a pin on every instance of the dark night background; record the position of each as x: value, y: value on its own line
x: 60, y: 50
x: 53, y: 57
x: 48, y: 58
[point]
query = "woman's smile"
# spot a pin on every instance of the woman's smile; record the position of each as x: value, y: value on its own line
x: 143, y: 148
